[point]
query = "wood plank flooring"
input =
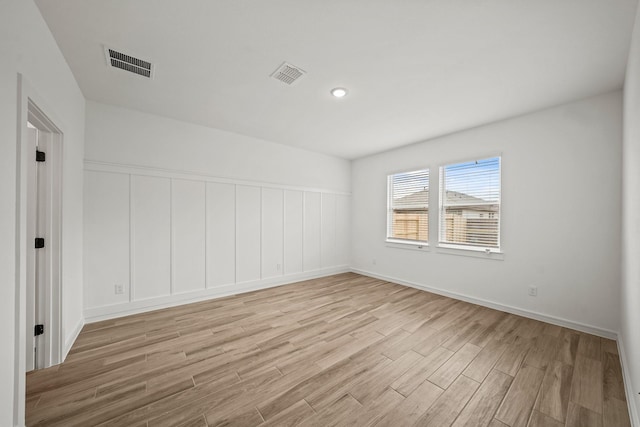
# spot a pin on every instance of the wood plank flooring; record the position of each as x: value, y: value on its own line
x: 345, y: 350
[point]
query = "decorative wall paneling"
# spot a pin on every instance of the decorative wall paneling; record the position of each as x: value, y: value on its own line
x: 158, y: 238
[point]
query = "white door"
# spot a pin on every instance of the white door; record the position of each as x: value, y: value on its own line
x: 42, y: 271
x: 32, y: 180
x: 38, y: 265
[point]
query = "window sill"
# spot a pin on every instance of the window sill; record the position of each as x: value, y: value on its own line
x: 473, y: 252
x: 412, y: 246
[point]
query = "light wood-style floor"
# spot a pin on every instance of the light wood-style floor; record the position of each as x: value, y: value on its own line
x: 344, y: 350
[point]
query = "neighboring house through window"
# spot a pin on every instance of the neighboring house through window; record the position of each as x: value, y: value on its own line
x: 470, y: 204
x: 408, y: 207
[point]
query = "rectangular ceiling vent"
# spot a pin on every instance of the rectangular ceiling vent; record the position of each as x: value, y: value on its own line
x: 129, y: 63
x: 288, y: 73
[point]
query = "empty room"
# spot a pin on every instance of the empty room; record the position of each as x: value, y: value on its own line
x: 329, y: 213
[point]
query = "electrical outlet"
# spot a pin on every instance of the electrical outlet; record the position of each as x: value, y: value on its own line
x: 278, y: 266
x: 533, y: 291
x: 373, y: 261
x: 119, y: 289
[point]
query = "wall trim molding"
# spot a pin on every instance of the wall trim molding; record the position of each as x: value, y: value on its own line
x: 628, y: 385
x: 141, y: 306
x: 96, y: 166
x: 605, y: 333
x: 71, y: 339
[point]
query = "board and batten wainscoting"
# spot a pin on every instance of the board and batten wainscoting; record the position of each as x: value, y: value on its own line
x: 156, y: 238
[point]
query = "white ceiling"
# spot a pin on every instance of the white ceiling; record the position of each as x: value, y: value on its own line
x: 415, y: 69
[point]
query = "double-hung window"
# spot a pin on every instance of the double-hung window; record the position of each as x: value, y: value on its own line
x: 470, y: 205
x: 408, y: 207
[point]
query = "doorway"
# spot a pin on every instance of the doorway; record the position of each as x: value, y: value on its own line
x: 43, y: 230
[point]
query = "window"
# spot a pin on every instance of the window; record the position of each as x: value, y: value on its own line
x: 408, y: 211
x: 470, y: 204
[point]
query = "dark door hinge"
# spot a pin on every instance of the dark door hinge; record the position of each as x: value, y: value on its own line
x: 40, y: 156
x: 38, y: 330
x: 39, y: 242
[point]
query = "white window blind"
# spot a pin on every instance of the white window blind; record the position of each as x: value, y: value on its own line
x: 470, y: 204
x: 408, y: 206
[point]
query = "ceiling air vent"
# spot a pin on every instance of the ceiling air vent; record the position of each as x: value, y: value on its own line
x: 129, y: 63
x: 288, y: 73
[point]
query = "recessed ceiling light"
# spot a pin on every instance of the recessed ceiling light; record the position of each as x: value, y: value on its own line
x: 339, y: 92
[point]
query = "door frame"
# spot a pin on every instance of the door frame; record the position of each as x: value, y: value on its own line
x: 50, y: 139
x: 33, y: 108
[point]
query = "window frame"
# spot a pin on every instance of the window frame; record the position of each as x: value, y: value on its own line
x: 406, y: 243
x: 460, y: 248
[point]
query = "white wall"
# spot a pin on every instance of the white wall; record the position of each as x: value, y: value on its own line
x: 629, y: 338
x: 176, y: 212
x: 27, y: 47
x: 123, y: 136
x: 560, y: 214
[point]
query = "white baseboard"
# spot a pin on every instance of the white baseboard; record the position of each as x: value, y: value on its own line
x: 96, y: 314
x: 630, y: 392
x: 605, y: 333
x: 71, y: 339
